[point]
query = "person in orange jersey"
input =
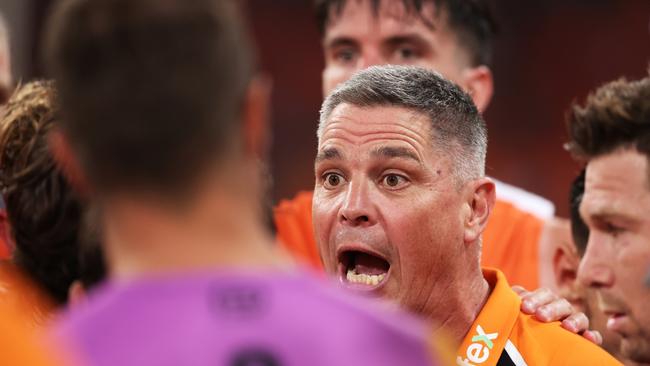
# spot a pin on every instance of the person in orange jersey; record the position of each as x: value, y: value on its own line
x: 454, y: 38
x: 400, y: 204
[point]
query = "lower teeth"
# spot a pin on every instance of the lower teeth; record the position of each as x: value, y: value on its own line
x: 371, y: 280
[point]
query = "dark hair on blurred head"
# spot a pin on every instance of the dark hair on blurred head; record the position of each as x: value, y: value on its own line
x: 44, y: 214
x: 579, y: 230
x: 615, y: 116
x: 471, y: 20
x: 151, y: 89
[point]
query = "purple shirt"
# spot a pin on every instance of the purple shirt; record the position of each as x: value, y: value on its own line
x: 239, y: 319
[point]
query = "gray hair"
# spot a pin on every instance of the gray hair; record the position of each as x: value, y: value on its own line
x: 457, y: 127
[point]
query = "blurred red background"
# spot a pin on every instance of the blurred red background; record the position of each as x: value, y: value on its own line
x: 548, y: 53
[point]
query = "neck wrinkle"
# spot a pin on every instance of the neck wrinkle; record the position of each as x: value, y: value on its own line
x: 463, y: 304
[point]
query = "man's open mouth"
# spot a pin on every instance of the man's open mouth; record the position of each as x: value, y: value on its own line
x: 363, y: 268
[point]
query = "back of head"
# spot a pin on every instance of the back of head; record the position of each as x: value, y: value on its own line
x: 151, y: 89
x: 616, y: 116
x: 471, y: 20
x: 457, y: 127
x: 44, y: 214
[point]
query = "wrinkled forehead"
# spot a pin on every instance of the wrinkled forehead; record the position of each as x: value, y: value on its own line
x: 617, y: 182
x: 363, y: 131
x: 375, y: 120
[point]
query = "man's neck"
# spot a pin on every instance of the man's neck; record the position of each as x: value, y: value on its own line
x: 142, y: 240
x: 459, y: 305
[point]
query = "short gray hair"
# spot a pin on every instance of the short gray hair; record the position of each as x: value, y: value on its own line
x: 457, y: 127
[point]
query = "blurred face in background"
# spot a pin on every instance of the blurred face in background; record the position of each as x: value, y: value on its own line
x: 615, y: 207
x: 358, y: 38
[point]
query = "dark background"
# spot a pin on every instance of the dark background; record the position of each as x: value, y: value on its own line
x: 548, y: 53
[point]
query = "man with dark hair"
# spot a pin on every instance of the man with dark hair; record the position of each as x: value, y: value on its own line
x: 453, y: 37
x: 584, y: 298
x: 400, y: 203
x: 611, y: 132
x: 164, y: 127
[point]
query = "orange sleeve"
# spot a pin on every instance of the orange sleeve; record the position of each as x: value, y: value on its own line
x: 511, y: 244
x: 295, y: 231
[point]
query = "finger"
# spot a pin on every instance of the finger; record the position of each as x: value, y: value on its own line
x: 519, y: 290
x: 576, y: 323
x: 533, y: 300
x: 594, y: 336
x: 555, y: 311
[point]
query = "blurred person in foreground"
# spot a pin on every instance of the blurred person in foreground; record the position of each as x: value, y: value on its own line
x: 611, y: 132
x: 44, y: 215
x: 453, y: 37
x: 400, y: 203
x: 164, y: 129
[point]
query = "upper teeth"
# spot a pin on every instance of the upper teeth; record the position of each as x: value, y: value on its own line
x: 372, y: 280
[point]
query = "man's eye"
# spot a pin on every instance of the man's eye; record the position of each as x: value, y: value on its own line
x: 613, y: 229
x: 393, y: 181
x: 332, y: 180
x: 406, y: 53
x: 345, y: 55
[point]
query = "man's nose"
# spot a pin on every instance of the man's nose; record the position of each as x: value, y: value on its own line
x: 358, y: 208
x: 595, y: 270
x: 371, y: 58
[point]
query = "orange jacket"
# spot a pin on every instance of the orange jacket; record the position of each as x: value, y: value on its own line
x: 510, y: 242
x: 503, y: 335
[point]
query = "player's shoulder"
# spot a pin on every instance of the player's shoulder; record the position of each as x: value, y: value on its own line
x: 548, y: 343
x: 524, y: 201
x: 297, y: 204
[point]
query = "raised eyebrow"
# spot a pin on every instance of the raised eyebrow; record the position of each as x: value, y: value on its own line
x: 331, y: 153
x: 396, y: 152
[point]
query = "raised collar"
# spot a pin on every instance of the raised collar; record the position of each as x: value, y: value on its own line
x: 489, y: 333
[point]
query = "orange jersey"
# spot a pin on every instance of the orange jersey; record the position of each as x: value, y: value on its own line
x: 510, y: 241
x: 20, y: 344
x: 17, y: 292
x: 502, y: 335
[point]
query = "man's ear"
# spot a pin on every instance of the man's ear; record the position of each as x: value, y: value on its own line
x: 565, y: 273
x: 68, y: 162
x: 76, y: 293
x: 480, y: 200
x: 565, y: 270
x: 255, y: 117
x: 479, y: 84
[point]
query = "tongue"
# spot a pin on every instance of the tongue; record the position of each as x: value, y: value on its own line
x: 369, y: 264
